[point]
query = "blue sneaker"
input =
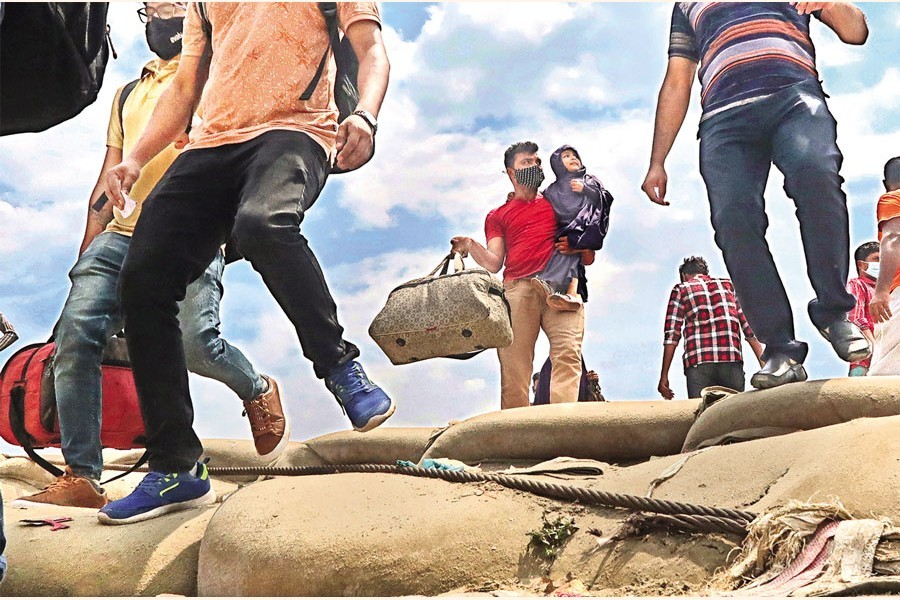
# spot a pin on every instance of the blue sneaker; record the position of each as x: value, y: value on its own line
x: 364, y: 402
x: 158, y: 494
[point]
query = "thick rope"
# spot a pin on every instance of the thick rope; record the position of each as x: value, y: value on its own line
x: 678, y: 515
x: 729, y: 520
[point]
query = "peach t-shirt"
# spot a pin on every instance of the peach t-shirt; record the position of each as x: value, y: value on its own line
x: 889, y: 208
x: 264, y: 54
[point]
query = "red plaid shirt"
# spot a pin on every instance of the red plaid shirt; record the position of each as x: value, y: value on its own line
x: 708, y: 311
x: 862, y: 289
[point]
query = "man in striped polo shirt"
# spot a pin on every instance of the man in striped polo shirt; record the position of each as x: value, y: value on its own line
x: 763, y: 105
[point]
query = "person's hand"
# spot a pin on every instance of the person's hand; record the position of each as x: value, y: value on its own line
x: 663, y: 388
x: 655, y: 184
x: 587, y: 257
x: 577, y: 185
x: 562, y: 246
x: 182, y: 140
x: 461, y: 245
x: 354, y: 142
x: 119, y: 180
x: 880, y: 307
x: 806, y: 8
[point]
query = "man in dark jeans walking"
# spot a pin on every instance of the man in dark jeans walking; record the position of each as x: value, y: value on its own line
x: 252, y: 169
x: 707, y: 311
x: 763, y: 104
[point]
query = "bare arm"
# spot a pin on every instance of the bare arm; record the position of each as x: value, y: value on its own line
x: 170, y: 117
x: 880, y: 306
x: 846, y: 20
x: 757, y: 349
x: 663, y: 387
x: 671, y: 107
x: 490, y: 257
x: 98, y: 220
x: 354, y: 137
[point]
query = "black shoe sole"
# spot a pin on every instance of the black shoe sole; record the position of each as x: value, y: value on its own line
x: 765, y: 381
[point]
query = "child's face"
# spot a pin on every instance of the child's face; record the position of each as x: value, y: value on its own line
x: 570, y: 160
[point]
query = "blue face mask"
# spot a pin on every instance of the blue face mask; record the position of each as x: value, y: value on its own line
x: 872, y: 269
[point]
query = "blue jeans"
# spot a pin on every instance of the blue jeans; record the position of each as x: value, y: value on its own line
x: 92, y: 314
x: 794, y: 130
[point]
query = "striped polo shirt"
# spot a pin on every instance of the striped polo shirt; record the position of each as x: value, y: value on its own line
x: 746, y: 50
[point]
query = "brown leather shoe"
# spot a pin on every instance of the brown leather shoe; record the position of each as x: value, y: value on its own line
x: 268, y: 422
x: 68, y: 490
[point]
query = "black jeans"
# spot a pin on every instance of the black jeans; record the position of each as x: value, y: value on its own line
x: 794, y: 130
x: 257, y: 193
x: 727, y: 374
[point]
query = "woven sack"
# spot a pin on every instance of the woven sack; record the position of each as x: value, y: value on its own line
x: 452, y: 315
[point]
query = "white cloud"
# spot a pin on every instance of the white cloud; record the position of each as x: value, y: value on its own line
x: 529, y: 21
x: 832, y: 52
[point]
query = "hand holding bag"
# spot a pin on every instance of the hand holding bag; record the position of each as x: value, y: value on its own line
x: 452, y: 315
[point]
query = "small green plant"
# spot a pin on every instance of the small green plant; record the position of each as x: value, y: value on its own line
x: 549, y: 539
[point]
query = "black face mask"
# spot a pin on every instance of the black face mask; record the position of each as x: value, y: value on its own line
x: 164, y: 36
x: 530, y: 177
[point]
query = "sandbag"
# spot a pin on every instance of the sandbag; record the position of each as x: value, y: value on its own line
x: 158, y: 556
x: 362, y: 535
x: 385, y: 445
x: 794, y: 407
x: 606, y: 431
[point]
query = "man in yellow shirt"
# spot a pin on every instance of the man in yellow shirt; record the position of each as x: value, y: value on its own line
x: 92, y: 312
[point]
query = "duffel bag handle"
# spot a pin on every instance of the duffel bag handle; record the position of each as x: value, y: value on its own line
x: 444, y: 265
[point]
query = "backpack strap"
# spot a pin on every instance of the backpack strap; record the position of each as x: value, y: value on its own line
x: 129, y: 87
x: 204, y: 22
x: 329, y: 11
x: 17, y: 416
x: 141, y: 461
x: 17, y: 424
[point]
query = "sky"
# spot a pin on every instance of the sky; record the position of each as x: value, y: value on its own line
x: 468, y: 79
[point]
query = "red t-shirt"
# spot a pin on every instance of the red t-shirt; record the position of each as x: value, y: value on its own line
x: 528, y: 229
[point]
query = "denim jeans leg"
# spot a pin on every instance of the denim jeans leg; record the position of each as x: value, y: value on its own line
x: 735, y: 159
x: 90, y: 316
x: 206, y: 352
x: 805, y: 151
x: 282, y: 180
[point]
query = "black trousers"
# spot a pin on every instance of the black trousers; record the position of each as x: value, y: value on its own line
x: 727, y: 374
x: 255, y: 192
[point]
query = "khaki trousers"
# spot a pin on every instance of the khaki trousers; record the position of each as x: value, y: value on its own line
x: 565, y: 330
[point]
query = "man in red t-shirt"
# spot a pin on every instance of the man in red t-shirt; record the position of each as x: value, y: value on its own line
x: 520, y: 238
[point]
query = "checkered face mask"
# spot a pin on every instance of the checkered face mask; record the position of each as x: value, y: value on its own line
x: 530, y: 177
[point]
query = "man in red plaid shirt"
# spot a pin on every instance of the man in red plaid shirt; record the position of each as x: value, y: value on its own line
x: 707, y: 310
x: 863, y: 288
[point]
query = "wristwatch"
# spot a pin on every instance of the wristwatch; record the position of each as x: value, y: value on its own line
x: 369, y: 118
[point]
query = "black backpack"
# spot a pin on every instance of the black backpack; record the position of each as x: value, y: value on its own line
x: 54, y: 57
x: 346, y: 90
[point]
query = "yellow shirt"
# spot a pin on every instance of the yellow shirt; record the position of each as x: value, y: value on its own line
x: 139, y: 105
x: 264, y: 56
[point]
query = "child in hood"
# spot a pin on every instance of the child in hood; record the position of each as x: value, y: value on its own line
x: 581, y: 204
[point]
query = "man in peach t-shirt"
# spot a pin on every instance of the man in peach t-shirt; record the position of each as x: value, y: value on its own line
x: 885, y: 304
x: 252, y: 169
